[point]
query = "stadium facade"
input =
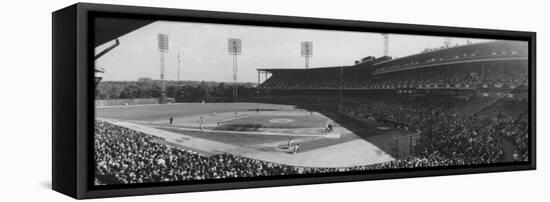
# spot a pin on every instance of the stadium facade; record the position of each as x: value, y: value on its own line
x: 493, y: 68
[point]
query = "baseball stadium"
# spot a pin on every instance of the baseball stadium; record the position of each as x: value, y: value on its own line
x: 451, y: 105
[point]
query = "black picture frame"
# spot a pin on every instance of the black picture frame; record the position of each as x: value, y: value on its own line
x: 73, y: 106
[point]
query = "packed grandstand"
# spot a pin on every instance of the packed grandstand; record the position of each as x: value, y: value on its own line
x: 469, y: 102
x: 500, y: 64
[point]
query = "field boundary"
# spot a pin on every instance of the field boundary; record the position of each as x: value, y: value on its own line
x: 327, y: 135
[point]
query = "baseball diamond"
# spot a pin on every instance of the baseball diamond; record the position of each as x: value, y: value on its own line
x: 259, y: 135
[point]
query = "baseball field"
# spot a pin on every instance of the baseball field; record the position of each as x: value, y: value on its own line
x: 261, y: 131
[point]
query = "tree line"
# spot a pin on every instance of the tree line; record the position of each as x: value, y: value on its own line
x: 184, y: 90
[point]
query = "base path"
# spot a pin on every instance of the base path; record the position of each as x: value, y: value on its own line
x: 353, y: 153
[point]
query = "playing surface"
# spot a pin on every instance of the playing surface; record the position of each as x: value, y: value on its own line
x: 259, y: 131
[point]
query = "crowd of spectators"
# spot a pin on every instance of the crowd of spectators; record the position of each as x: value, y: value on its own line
x: 511, y: 123
x: 494, y: 77
x: 449, y: 137
x: 450, y: 132
x: 125, y: 156
x: 301, y: 82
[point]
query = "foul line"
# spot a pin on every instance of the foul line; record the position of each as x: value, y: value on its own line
x: 330, y: 135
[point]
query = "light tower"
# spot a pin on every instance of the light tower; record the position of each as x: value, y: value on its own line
x: 163, y: 48
x: 234, y: 48
x: 386, y: 43
x: 307, y: 51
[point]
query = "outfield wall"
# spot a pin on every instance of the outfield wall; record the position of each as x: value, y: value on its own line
x: 116, y: 102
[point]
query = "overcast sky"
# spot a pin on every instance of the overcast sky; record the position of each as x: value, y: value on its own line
x: 203, y: 50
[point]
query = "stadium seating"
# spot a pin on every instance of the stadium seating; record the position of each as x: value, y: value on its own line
x: 485, y: 65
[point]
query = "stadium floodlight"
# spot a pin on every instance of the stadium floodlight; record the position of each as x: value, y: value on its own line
x: 162, y: 40
x: 307, y: 51
x: 234, y: 48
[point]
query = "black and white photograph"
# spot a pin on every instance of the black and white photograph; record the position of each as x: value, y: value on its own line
x: 180, y: 101
x: 275, y: 101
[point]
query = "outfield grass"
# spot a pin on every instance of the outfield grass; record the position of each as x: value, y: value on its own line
x: 164, y: 112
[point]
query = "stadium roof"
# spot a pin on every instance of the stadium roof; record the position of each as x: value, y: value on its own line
x: 297, y: 71
x: 485, y: 45
x: 522, y: 47
x: 493, y: 51
x: 108, y: 29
